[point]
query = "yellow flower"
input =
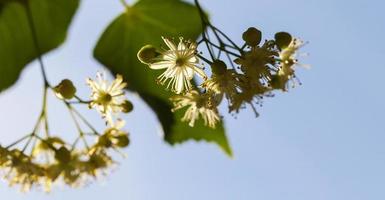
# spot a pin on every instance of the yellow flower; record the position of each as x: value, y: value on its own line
x: 223, y: 81
x: 107, y: 98
x: 226, y: 83
x: 112, y: 137
x: 257, y: 63
x: 251, y: 92
x: 23, y: 172
x: 181, y: 63
x: 288, y: 57
x: 198, y: 104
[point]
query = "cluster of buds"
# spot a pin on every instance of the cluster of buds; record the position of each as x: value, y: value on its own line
x: 255, y: 71
x: 51, y: 159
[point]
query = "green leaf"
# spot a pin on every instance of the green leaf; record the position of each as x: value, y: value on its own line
x: 144, y: 23
x: 51, y: 18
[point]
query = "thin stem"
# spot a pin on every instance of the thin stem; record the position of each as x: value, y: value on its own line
x: 44, y: 112
x: 254, y: 109
x: 81, y: 117
x: 244, y: 46
x: 36, y: 43
x: 85, y: 142
x: 224, y: 35
x: 81, y: 100
x: 18, y: 141
x: 35, y: 40
x: 230, y: 61
x: 223, y: 49
x: 85, y: 121
x: 81, y: 134
x: 205, y: 59
x: 226, y: 45
x: 74, y: 119
x: 204, y: 24
x: 202, y: 15
x: 76, y: 102
x: 33, y: 146
x: 124, y: 3
x: 27, y: 144
x: 209, y: 39
x: 75, y: 143
x: 44, y: 141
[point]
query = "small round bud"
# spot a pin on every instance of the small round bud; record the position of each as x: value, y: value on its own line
x: 147, y: 54
x: 218, y: 67
x: 65, y: 89
x: 127, y: 106
x: 50, y: 143
x: 63, y: 155
x: 104, y: 141
x: 122, y: 140
x: 252, y: 36
x: 283, y: 39
x: 53, y: 172
x: 279, y: 82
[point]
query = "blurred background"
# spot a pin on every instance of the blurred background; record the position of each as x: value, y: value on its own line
x: 323, y: 140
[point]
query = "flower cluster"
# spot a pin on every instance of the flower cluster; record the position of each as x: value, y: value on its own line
x: 256, y: 70
x: 52, y: 160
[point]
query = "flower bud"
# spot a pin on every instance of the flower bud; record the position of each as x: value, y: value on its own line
x: 63, y: 155
x: 53, y: 172
x: 283, y: 39
x: 104, y: 141
x: 218, y: 67
x: 279, y: 82
x: 65, y: 89
x: 49, y: 144
x: 127, y: 106
x: 122, y: 140
x: 252, y: 36
x: 147, y: 54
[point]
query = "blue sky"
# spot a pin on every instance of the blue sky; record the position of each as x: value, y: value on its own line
x: 322, y: 141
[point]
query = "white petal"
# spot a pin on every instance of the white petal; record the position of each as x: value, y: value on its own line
x: 200, y: 72
x: 179, y: 84
x: 193, y: 59
x: 161, y: 65
x: 181, y: 45
x: 189, y: 73
x: 169, y: 55
x: 169, y: 43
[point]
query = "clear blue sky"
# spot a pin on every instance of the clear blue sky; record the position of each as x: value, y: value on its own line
x: 322, y: 141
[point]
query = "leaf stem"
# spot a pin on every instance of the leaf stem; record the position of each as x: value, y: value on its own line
x: 205, y: 22
x: 32, y: 26
x: 124, y: 3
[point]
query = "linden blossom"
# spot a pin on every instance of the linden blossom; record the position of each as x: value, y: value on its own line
x: 181, y: 63
x: 223, y: 81
x: 199, y: 104
x: 107, y: 98
x: 288, y: 57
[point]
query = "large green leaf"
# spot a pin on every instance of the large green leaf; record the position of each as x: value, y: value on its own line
x: 145, y: 23
x: 51, y: 19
